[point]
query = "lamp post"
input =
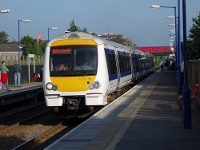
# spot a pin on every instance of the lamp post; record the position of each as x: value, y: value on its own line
x: 4, y: 11
x: 53, y: 28
x: 25, y: 20
x: 186, y: 91
x: 178, y: 47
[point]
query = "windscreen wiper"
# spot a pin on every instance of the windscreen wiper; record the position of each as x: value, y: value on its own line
x: 84, y: 72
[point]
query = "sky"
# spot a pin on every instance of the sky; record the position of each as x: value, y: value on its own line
x: 134, y: 19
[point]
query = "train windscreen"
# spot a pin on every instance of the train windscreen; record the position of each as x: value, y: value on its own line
x: 73, y: 60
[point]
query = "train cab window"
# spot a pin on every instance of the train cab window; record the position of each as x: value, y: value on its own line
x: 73, y: 60
x: 85, y: 59
x: 60, y: 59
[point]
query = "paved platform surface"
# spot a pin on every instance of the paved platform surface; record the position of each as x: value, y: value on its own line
x: 146, y: 117
x: 23, y: 86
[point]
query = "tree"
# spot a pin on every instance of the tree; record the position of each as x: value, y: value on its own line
x: 84, y: 30
x: 193, y: 43
x: 42, y: 45
x: 31, y: 46
x: 74, y: 28
x: 3, y: 37
x: 128, y: 42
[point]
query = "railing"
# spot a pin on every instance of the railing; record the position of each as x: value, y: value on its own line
x: 39, y: 60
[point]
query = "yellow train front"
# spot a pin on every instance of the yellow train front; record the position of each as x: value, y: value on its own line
x: 71, y: 79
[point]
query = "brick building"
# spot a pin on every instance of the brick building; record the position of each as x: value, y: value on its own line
x: 113, y: 37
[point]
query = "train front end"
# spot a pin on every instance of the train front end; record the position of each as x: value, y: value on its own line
x: 70, y: 73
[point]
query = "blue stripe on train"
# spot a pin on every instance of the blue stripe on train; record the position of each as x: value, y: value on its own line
x: 125, y: 74
x: 114, y: 77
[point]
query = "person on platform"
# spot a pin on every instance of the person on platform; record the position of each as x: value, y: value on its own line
x: 38, y: 78
x: 34, y: 77
x: 4, y: 76
x: 41, y: 75
x: 0, y: 79
x: 162, y: 65
x: 17, y: 70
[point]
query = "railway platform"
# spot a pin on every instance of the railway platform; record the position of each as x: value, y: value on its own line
x: 146, y: 117
x: 23, y: 92
x: 23, y: 86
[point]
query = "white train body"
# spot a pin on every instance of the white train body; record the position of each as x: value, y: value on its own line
x: 77, y: 84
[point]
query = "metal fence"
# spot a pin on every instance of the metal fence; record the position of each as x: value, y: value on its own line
x: 10, y: 60
x: 25, y: 73
x: 194, y: 74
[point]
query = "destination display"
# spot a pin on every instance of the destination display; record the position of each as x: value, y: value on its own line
x: 61, y: 51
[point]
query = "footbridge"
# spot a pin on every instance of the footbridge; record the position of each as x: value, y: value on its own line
x: 157, y: 50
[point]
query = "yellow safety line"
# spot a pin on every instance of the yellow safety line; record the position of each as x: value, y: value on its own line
x: 144, y: 96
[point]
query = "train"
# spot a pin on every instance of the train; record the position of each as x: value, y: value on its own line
x: 82, y: 71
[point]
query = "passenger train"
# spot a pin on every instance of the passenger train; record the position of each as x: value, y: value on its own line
x: 82, y: 70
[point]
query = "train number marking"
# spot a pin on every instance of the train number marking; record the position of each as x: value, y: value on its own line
x: 85, y: 79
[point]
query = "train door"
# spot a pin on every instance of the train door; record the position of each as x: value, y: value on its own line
x: 118, y: 68
x: 132, y: 64
x: 136, y: 59
x: 124, y: 64
x: 112, y: 68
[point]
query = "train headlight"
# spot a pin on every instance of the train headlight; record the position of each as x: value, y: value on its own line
x: 54, y: 88
x: 91, y: 86
x: 95, y: 85
x: 49, y: 86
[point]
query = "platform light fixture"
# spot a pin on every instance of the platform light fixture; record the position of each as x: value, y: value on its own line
x: 172, y: 30
x: 4, y: 11
x: 172, y: 34
x: 53, y: 28
x: 155, y: 6
x: 27, y: 21
x: 171, y: 24
x: 170, y: 17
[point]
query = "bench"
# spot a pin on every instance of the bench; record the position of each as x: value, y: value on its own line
x: 193, y: 95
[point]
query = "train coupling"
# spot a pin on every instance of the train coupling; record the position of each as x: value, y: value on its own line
x: 72, y: 104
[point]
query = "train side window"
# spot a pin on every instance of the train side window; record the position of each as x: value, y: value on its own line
x: 134, y: 61
x: 124, y: 63
x: 111, y: 63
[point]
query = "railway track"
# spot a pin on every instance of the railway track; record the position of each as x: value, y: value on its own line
x: 17, y: 125
x: 49, y: 136
x: 37, y: 141
x: 14, y: 134
x: 18, y: 116
x: 37, y: 132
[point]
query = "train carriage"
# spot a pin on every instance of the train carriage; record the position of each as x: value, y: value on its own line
x: 83, y: 70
